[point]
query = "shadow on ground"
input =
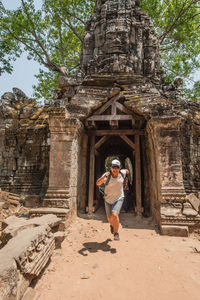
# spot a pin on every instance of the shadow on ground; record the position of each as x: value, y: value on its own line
x: 93, y: 247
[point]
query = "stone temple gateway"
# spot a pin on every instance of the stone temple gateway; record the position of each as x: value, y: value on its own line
x: 118, y: 105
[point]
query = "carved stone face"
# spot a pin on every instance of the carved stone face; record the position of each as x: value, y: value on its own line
x: 117, y: 37
x: 120, y: 38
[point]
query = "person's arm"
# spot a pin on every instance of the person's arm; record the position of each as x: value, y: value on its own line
x: 127, y: 171
x: 102, y: 179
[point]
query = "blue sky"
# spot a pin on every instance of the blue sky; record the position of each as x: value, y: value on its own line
x: 24, y: 70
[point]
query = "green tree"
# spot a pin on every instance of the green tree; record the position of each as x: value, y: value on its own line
x: 53, y: 36
x: 177, y: 24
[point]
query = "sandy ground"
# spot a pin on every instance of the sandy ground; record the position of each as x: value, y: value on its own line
x: 142, y: 265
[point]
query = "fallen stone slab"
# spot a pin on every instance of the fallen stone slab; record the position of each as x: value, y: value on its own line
x: 23, y: 258
x: 189, y: 211
x: 13, y: 225
x: 194, y: 201
x: 173, y: 230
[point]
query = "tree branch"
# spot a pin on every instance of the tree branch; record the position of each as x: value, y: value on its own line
x: 72, y: 28
x: 37, y: 40
x: 76, y: 17
x: 181, y: 12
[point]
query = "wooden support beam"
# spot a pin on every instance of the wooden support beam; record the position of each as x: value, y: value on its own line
x: 139, y: 208
x: 128, y: 111
x: 110, y: 117
x: 101, y: 141
x: 128, y: 141
x: 91, y: 175
x: 97, y: 153
x: 114, y: 124
x: 113, y: 108
x: 107, y: 104
x: 117, y: 132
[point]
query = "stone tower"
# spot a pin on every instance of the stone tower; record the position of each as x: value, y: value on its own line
x: 120, y: 38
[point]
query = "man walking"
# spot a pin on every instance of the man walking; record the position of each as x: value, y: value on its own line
x: 114, y: 194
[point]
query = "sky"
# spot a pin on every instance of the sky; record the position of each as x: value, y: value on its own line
x: 24, y: 70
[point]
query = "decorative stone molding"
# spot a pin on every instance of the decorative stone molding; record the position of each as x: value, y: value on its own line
x: 23, y: 258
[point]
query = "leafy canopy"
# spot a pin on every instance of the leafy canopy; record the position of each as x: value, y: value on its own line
x: 53, y: 35
x: 177, y: 24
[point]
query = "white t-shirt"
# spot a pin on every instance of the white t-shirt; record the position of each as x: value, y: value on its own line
x: 114, y: 190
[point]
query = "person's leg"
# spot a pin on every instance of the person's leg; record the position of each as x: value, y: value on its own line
x: 115, y: 213
x: 108, y: 208
x: 115, y: 222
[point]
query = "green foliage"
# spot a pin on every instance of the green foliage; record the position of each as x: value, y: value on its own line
x: 194, y: 93
x: 108, y: 162
x: 53, y: 35
x: 177, y: 24
x: 47, y: 83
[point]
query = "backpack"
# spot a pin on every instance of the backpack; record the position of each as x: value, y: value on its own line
x: 102, y: 186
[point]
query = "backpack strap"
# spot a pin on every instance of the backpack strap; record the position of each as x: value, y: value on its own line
x: 108, y: 179
x: 123, y: 176
x: 109, y: 176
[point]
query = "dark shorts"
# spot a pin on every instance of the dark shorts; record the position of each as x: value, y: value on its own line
x: 115, y: 207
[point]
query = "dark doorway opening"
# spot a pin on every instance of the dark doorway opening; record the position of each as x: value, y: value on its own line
x: 116, y: 131
x: 114, y: 148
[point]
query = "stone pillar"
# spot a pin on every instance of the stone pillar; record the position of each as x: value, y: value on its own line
x: 175, y: 212
x: 63, y: 135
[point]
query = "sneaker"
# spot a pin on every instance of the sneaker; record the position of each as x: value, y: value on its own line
x: 116, y: 236
x: 111, y: 229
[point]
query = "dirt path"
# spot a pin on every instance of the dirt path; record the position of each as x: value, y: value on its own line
x: 143, y: 265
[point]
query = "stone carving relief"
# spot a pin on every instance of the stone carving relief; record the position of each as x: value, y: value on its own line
x: 119, y: 38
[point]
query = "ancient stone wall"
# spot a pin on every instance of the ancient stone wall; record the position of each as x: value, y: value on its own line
x: 24, y: 146
x: 190, y: 150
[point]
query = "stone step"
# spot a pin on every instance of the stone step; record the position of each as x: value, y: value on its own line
x: 57, y: 196
x: 62, y: 213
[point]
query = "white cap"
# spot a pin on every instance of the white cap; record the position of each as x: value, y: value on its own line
x: 115, y: 162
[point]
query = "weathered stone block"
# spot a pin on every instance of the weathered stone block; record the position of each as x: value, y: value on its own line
x: 14, y: 225
x: 59, y: 238
x: 194, y: 201
x: 59, y: 212
x: 22, y: 259
x: 170, y: 210
x: 188, y: 210
x: 174, y: 230
x: 32, y: 201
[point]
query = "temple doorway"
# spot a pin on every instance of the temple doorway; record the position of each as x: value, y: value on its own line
x: 114, y: 131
